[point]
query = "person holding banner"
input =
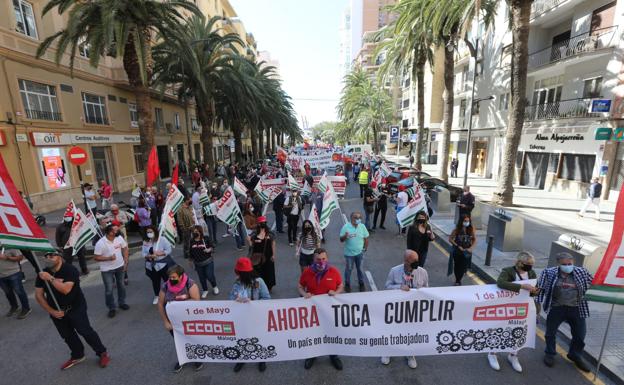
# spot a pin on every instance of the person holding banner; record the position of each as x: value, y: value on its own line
x: 63, y: 231
x: 463, y: 238
x: 178, y: 287
x: 201, y: 257
x: 318, y: 279
x: 70, y: 317
x: 157, y: 259
x: 355, y: 237
x: 406, y: 276
x: 262, y: 252
x: 248, y: 287
x: 308, y: 241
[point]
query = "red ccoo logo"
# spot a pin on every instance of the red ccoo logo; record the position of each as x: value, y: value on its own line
x: 501, y: 312
x: 208, y: 328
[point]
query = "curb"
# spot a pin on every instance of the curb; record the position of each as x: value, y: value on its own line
x: 445, y: 244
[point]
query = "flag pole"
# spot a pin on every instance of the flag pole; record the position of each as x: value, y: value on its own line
x: 38, y: 269
x: 604, y: 342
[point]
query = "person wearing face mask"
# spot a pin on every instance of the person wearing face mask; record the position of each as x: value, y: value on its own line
x: 463, y: 238
x: 157, y: 259
x: 178, y: 287
x: 120, y: 216
x: 201, y: 257
x: 262, y: 252
x: 466, y: 202
x: 61, y: 281
x: 293, y: 207
x: 355, y: 237
x: 91, y: 198
x: 562, y: 294
x: 63, y: 231
x: 308, y: 241
x: 419, y: 235
x: 249, y: 215
x: 111, y: 252
x: 318, y: 279
x: 248, y: 287
x: 521, y: 271
x: 406, y: 276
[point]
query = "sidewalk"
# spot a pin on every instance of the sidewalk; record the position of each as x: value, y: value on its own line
x: 546, y: 216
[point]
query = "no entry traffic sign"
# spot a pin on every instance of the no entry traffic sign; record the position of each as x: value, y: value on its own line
x: 77, y: 155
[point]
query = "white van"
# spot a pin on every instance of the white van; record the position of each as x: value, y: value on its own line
x: 358, y: 149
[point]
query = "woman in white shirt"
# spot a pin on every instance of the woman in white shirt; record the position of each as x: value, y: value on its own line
x: 157, y: 259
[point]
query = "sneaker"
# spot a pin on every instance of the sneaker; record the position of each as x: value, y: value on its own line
x: 411, y: 362
x: 24, y: 313
x: 240, y: 248
x: 238, y: 367
x: 177, y: 368
x: 549, y: 360
x: 215, y: 290
x: 515, y: 363
x: 225, y: 235
x: 72, y: 362
x: 307, y: 364
x: 262, y: 366
x: 336, y: 362
x: 111, y: 313
x: 493, y: 360
x: 291, y: 244
x: 11, y: 312
x: 204, y: 294
x: 198, y: 366
x: 580, y: 363
x: 124, y: 307
x: 385, y: 360
x: 104, y: 359
x: 155, y: 301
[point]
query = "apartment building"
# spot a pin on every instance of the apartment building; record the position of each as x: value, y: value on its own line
x: 574, y: 97
x: 45, y: 110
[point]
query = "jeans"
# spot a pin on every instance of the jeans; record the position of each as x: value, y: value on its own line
x: 351, y: 259
x: 383, y: 216
x: 347, y: 175
x: 556, y: 316
x: 76, y: 322
x: 293, y: 220
x: 211, y: 222
x: 110, y: 277
x: 367, y: 218
x: 12, y: 286
x: 186, y: 242
x: 206, y: 272
x: 239, y: 236
x: 279, y: 219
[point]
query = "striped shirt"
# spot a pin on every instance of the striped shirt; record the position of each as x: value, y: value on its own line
x: 308, y: 244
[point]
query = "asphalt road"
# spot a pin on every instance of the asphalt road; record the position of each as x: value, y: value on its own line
x: 142, y: 351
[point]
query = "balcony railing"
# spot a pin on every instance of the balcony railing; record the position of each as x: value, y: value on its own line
x: 43, y: 115
x: 586, y: 42
x: 542, y: 6
x: 571, y: 108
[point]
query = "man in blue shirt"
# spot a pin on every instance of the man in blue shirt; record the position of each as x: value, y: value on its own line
x: 355, y: 237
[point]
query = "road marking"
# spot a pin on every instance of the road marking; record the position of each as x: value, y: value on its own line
x: 539, y: 332
x: 371, y: 281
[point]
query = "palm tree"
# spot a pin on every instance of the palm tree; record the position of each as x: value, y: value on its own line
x: 196, y: 58
x: 122, y: 29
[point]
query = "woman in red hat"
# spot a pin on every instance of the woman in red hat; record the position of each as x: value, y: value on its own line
x: 262, y: 252
x: 248, y: 287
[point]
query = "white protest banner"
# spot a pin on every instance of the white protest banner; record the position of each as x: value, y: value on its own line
x: 428, y: 321
x: 174, y: 199
x: 330, y: 203
x: 168, y: 229
x: 239, y: 187
x: 316, y: 221
x: 385, y: 170
x: 82, y: 231
x: 293, y: 184
x: 227, y: 208
x: 320, y: 161
x: 407, y: 215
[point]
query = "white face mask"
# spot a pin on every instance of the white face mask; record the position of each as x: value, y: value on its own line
x: 68, y: 219
x: 150, y: 235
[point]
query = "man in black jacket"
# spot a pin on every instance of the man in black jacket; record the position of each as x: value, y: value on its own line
x: 381, y: 206
x: 466, y: 202
x: 278, y: 207
x: 63, y: 231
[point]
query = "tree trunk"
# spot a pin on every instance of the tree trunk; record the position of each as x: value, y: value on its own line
x: 447, y: 117
x: 375, y: 140
x: 141, y: 93
x: 206, y: 119
x: 253, y: 134
x: 237, y: 130
x: 261, y: 149
x: 520, y: 12
x: 420, y: 79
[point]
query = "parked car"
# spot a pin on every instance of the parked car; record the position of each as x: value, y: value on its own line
x: 401, y: 174
x: 428, y: 184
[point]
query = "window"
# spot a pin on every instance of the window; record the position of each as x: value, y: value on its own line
x: 197, y: 148
x: 475, y: 108
x: 134, y: 115
x: 405, y: 103
x: 503, y: 102
x: 160, y: 122
x: 577, y: 167
x: 195, y: 125
x: 39, y: 100
x: 94, y: 107
x: 138, y: 158
x: 176, y: 121
x: 593, y: 88
x: 25, y: 18
x: 83, y: 48
x: 462, y: 113
x: 479, y: 67
x: 405, y: 123
x: 464, y: 78
x: 506, y: 56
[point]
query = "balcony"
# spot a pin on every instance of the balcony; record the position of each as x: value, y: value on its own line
x: 576, y: 45
x: 539, y: 7
x: 563, y: 109
x: 43, y: 115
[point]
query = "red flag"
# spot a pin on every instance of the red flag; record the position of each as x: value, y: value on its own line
x: 174, y: 178
x: 18, y: 228
x: 153, y: 170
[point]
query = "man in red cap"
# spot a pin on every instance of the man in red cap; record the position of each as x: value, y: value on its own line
x: 63, y: 231
x: 317, y: 279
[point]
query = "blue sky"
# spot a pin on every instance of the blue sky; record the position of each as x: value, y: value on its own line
x: 303, y: 36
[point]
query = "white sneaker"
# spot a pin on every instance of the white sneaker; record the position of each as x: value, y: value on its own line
x: 411, y: 362
x: 215, y: 290
x: 493, y: 360
x: 385, y: 360
x: 204, y: 294
x: 155, y: 301
x: 515, y: 363
x: 225, y: 235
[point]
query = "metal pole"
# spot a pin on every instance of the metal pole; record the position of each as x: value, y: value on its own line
x: 472, y: 103
x: 488, y: 251
x: 399, y: 145
x: 604, y: 341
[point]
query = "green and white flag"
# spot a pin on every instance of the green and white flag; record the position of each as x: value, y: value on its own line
x: 210, y: 209
x: 174, y: 199
x: 203, y: 199
x: 406, y: 216
x: 323, y: 183
x: 292, y: 182
x: 316, y: 221
x: 168, y: 229
x: 239, y: 187
x: 330, y: 203
x: 82, y: 231
x: 385, y: 170
x: 307, y: 190
x: 262, y: 193
x: 227, y: 208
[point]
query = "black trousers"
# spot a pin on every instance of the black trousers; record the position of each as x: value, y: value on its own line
x: 383, y: 211
x: 76, y: 322
x: 292, y: 221
x: 69, y: 258
x: 279, y: 219
x: 459, y: 264
x: 157, y: 278
x: 362, y: 190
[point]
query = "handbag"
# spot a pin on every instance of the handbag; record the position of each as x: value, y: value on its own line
x: 259, y: 258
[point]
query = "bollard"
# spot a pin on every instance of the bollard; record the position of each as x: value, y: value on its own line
x: 488, y: 251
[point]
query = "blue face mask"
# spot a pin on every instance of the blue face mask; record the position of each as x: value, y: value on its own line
x: 567, y: 268
x: 358, y: 221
